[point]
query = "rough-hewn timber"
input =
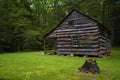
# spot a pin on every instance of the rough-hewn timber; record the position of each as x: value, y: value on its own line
x: 82, y: 35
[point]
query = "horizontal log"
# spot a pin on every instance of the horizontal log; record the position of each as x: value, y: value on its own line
x: 102, y: 40
x: 102, y: 51
x: 104, y: 31
x: 89, y: 46
x: 84, y: 21
x: 88, y: 42
x: 80, y: 43
x: 64, y: 42
x: 82, y: 38
x: 64, y: 36
x: 66, y: 32
x: 76, y: 29
x: 103, y: 36
x: 93, y: 37
x: 104, y: 48
x: 75, y: 46
x: 87, y: 24
x: 64, y: 45
x: 78, y: 18
x: 58, y: 39
x: 102, y: 45
x: 77, y: 49
x: 85, y: 35
x: 79, y: 53
x: 88, y: 33
x: 51, y: 36
x: 82, y: 32
x: 67, y: 44
x: 76, y: 26
x: 88, y: 28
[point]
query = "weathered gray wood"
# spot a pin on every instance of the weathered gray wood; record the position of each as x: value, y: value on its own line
x: 85, y: 25
x: 90, y: 42
x: 77, y: 49
x: 103, y: 48
x: 52, y: 36
x: 102, y: 40
x: 102, y: 36
x: 67, y: 35
x: 78, y: 31
x: 84, y: 46
x: 80, y: 53
x: 63, y: 46
x: 59, y: 39
x: 91, y: 38
x: 64, y: 42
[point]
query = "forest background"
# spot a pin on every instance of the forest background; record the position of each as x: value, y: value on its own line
x: 23, y: 23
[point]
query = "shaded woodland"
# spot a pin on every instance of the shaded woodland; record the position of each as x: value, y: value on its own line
x: 23, y: 23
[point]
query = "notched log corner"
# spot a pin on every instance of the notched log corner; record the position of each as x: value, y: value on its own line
x: 90, y: 66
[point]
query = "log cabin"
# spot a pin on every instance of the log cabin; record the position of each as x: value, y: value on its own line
x: 79, y: 34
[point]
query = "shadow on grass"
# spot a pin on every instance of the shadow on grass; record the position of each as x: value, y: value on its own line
x: 4, y: 79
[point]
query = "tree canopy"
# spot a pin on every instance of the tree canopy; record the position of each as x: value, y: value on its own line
x: 23, y: 23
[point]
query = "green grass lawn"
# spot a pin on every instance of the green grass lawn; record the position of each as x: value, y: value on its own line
x: 36, y: 66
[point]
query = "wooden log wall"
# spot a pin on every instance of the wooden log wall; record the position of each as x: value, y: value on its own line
x: 105, y: 42
x: 85, y: 37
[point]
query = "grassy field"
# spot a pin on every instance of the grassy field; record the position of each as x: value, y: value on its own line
x: 36, y: 66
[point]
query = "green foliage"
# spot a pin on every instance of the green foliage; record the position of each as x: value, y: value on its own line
x: 112, y: 18
x: 32, y: 40
x: 35, y: 65
x: 23, y: 23
x: 14, y: 21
